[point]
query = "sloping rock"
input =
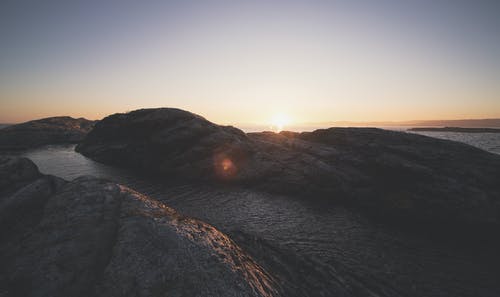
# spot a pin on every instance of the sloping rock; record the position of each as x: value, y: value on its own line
x: 55, y: 130
x: 14, y: 171
x: 169, y: 141
x: 23, y: 192
x: 180, y: 144
x: 409, y: 176
x: 90, y: 237
x: 419, y: 176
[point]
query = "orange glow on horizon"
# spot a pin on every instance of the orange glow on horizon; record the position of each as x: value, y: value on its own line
x: 279, y: 121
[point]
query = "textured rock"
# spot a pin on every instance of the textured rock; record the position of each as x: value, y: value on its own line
x: 169, y: 141
x: 23, y: 192
x: 14, y: 171
x: 416, y: 175
x: 55, y: 130
x: 392, y: 173
x: 90, y: 237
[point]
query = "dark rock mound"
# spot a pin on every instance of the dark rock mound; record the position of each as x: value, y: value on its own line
x: 166, y: 140
x: 55, y: 130
x: 16, y: 171
x: 23, y: 192
x: 413, y: 177
x: 423, y: 177
x: 90, y: 237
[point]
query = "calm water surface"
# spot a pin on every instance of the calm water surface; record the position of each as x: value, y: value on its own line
x: 486, y: 141
x: 333, y: 236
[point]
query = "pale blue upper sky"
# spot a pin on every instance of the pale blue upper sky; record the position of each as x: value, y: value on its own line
x: 245, y: 61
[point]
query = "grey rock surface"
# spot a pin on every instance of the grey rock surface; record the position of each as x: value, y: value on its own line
x: 91, y: 237
x: 54, y: 130
x: 396, y: 174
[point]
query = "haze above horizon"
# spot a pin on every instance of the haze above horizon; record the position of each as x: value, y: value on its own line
x: 255, y: 62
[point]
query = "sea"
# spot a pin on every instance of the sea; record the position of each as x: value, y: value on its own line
x: 487, y: 141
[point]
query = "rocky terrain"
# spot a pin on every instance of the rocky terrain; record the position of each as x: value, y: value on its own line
x: 434, y: 183
x: 90, y: 237
x: 54, y: 130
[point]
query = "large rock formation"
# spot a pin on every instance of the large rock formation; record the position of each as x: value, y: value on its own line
x: 55, y: 130
x: 90, y: 237
x: 393, y: 173
x: 423, y: 177
x: 170, y: 141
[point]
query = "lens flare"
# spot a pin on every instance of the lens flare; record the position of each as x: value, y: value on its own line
x: 224, y: 166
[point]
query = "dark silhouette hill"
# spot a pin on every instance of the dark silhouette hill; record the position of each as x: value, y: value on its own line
x: 54, y: 130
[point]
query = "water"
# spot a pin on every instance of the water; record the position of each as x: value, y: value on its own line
x: 487, y: 141
x: 331, y: 235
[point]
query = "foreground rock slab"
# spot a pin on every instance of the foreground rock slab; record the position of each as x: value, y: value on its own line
x: 91, y: 237
x: 54, y: 130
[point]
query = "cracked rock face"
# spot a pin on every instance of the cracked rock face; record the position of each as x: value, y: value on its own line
x: 392, y: 174
x: 90, y: 237
x: 55, y: 130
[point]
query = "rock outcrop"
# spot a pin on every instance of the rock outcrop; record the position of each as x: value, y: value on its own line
x: 168, y: 141
x: 55, y: 130
x: 424, y: 177
x: 91, y: 237
x: 413, y: 177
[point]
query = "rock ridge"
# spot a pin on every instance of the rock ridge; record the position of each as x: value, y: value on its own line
x: 53, y: 130
x: 394, y: 174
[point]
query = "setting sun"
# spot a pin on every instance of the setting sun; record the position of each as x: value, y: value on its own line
x: 279, y: 121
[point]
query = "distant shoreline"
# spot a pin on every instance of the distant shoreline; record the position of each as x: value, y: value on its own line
x: 455, y: 129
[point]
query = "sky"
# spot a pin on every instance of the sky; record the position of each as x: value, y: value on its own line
x: 242, y: 62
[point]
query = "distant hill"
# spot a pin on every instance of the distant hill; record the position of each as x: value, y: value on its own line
x: 465, y: 123
x: 455, y: 129
x: 472, y: 123
x: 54, y: 130
x: 310, y: 126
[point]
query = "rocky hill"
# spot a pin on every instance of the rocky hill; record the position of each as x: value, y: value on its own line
x: 54, y: 130
x: 395, y: 174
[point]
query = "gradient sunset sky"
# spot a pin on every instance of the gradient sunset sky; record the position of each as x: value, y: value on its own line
x: 246, y: 61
